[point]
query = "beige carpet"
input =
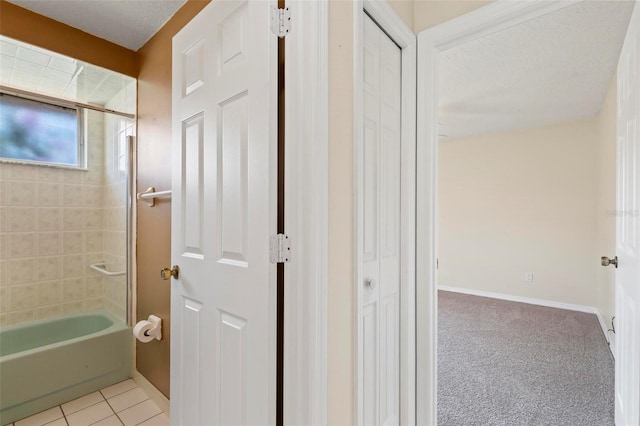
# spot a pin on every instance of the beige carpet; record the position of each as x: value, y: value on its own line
x: 508, y: 363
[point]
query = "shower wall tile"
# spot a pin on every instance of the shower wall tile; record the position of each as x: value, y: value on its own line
x: 73, y: 289
x: 52, y: 224
x: 49, y: 293
x: 73, y: 176
x: 4, y: 273
x: 49, y: 243
x: 93, y: 241
x: 73, y: 265
x: 4, y: 218
x: 48, y: 174
x: 92, y: 196
x: 94, y: 287
x: 22, y: 270
x: 20, y: 244
x: 49, y: 268
x: 93, y: 219
x: 73, y: 307
x: 20, y: 219
x: 72, y: 196
x: 49, y: 194
x: 73, y: 242
x: 73, y: 219
x: 94, y: 303
x: 23, y: 296
x: 22, y: 316
x: 21, y: 193
x: 51, y: 311
x: 49, y: 219
x: 5, y: 301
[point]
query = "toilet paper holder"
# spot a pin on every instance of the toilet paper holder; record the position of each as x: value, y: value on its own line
x: 150, y: 329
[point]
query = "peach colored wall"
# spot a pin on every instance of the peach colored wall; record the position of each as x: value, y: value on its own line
x: 404, y: 9
x: 341, y: 301
x: 154, y: 169
x: 428, y: 13
x: 535, y: 200
x: 24, y: 25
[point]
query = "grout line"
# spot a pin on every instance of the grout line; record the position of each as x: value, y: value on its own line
x: 136, y: 386
x: 88, y: 406
x: 134, y: 406
x: 114, y: 411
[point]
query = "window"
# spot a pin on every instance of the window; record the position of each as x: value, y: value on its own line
x: 39, y: 132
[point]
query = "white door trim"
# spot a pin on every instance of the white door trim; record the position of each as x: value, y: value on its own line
x: 401, y: 34
x: 306, y: 213
x: 494, y: 17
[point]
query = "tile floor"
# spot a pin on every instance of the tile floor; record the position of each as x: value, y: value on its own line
x: 121, y: 404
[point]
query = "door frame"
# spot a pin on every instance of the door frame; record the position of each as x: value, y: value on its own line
x: 489, y: 19
x: 403, y: 36
x: 306, y: 213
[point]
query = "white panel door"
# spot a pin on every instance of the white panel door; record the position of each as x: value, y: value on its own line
x: 223, y: 328
x: 381, y: 227
x: 627, y: 387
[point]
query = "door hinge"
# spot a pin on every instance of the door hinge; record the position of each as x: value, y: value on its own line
x: 280, y: 248
x: 280, y: 21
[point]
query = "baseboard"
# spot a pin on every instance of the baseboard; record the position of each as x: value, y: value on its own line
x: 612, y: 344
x: 539, y: 302
x: 153, y: 392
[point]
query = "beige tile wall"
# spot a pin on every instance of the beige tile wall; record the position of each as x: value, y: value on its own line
x: 53, y: 224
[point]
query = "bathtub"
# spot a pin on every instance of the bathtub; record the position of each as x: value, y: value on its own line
x: 47, y: 363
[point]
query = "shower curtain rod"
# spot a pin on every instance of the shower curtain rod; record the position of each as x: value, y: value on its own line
x: 59, y: 101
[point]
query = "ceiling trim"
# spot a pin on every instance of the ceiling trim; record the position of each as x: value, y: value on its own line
x: 497, y: 16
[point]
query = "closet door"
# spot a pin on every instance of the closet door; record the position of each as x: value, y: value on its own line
x: 381, y: 227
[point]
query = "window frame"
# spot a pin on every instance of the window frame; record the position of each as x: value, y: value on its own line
x: 81, y: 123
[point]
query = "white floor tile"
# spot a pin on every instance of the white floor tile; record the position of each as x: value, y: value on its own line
x: 118, y: 388
x: 127, y: 399
x: 80, y: 403
x: 109, y: 421
x: 139, y: 413
x: 90, y: 415
x: 159, y: 420
x: 41, y: 418
x: 59, y: 422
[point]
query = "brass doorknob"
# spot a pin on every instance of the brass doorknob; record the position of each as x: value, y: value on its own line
x: 167, y: 273
x: 605, y: 261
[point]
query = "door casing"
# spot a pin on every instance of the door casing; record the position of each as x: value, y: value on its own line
x: 489, y: 19
x: 306, y: 217
x: 403, y: 36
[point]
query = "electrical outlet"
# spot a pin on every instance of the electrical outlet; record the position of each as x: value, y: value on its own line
x: 528, y: 277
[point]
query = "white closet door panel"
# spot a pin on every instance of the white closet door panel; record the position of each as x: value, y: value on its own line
x: 381, y: 227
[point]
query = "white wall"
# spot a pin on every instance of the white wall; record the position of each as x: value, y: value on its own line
x: 535, y: 200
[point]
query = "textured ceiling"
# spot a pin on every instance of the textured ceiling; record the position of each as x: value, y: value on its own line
x: 551, y: 69
x: 129, y: 23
